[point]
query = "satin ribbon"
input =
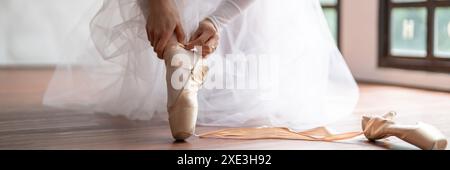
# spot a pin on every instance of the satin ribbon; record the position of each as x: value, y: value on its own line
x: 374, y: 128
x: 316, y: 134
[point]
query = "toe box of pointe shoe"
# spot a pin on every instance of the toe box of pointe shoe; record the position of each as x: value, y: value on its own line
x: 180, y: 136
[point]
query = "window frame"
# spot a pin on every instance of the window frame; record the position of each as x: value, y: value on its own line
x: 336, y: 7
x: 430, y: 62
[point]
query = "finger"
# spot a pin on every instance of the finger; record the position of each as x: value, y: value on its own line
x: 156, y: 40
x: 152, y: 39
x: 159, y: 56
x: 210, y: 46
x: 149, y: 35
x: 206, y: 51
x: 163, y: 42
x: 195, y: 36
x: 213, y: 41
x: 180, y: 33
x: 200, y: 41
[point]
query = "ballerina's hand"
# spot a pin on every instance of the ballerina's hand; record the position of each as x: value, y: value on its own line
x: 206, y: 36
x: 163, y: 22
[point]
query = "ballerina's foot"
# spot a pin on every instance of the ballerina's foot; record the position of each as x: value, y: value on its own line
x: 182, y: 103
x: 183, y: 115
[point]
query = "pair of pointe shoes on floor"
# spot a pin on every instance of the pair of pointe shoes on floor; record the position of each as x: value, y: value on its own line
x: 182, y: 105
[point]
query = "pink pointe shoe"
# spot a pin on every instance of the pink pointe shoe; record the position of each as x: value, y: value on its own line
x: 421, y: 135
x: 185, y: 74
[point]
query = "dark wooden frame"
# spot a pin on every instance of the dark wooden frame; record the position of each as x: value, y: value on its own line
x: 336, y: 7
x: 430, y: 62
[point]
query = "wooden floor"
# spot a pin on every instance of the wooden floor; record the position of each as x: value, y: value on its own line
x: 25, y: 124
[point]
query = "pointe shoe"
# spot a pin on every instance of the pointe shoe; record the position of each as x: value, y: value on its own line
x: 182, y: 103
x: 421, y: 135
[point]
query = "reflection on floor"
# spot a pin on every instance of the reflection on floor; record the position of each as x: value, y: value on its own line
x: 25, y: 124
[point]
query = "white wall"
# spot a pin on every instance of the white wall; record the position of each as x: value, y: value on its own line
x: 32, y: 30
x: 359, y: 45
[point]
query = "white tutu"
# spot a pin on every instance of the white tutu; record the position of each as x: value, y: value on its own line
x: 302, y: 79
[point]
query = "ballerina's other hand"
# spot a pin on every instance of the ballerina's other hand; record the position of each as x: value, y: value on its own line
x: 206, y: 36
x: 163, y: 22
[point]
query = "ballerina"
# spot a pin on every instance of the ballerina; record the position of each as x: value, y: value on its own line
x: 302, y: 81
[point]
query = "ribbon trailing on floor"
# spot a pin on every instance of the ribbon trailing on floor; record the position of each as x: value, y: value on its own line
x: 316, y: 134
x: 422, y: 135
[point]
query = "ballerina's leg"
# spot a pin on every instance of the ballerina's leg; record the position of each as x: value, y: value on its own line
x: 182, y: 103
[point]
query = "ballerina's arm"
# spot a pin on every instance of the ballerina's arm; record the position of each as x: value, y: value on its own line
x: 227, y: 11
x: 207, y: 35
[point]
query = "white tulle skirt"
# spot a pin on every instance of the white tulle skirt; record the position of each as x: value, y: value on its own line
x: 301, y: 79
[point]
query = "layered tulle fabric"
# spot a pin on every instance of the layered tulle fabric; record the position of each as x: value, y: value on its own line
x: 276, y: 65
